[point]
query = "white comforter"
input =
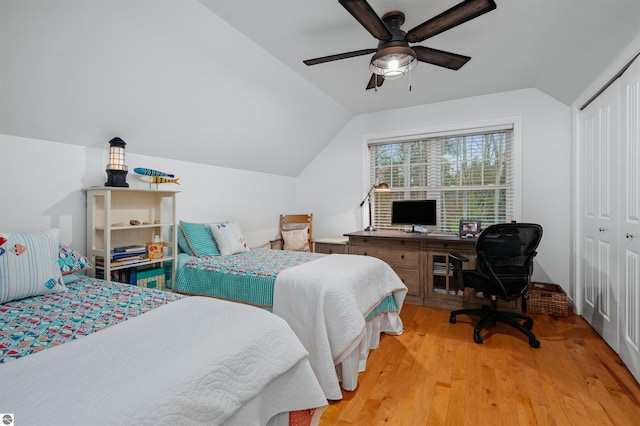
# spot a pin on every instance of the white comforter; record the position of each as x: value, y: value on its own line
x: 194, y: 361
x: 326, y: 302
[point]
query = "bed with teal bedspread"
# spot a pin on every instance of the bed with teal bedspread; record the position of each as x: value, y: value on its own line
x: 247, y: 277
x: 31, y: 325
x: 87, y: 356
x: 84, y: 351
x: 337, y: 305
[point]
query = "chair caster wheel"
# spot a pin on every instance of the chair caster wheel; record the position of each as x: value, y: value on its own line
x: 477, y: 338
x: 452, y: 319
x: 534, y: 343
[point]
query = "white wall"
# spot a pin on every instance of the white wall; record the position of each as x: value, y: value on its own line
x: 169, y: 77
x: 333, y: 185
x: 41, y: 181
x: 41, y: 187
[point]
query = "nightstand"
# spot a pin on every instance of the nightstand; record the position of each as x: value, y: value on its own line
x: 338, y: 245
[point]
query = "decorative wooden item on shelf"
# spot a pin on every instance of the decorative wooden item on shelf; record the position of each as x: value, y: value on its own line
x: 150, y: 172
x: 155, y: 176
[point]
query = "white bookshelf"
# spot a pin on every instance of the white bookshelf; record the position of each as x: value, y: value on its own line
x: 109, y: 213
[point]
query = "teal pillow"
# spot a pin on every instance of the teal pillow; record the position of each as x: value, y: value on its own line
x: 199, y: 239
x: 183, y: 246
x: 70, y: 278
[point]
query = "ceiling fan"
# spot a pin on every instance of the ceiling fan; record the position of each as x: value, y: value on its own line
x: 394, y: 57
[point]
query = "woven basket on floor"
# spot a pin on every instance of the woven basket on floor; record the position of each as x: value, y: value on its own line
x: 549, y: 299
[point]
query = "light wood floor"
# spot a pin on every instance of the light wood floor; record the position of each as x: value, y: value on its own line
x: 434, y: 374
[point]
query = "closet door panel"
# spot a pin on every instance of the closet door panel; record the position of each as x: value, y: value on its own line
x: 599, y: 214
x: 630, y: 218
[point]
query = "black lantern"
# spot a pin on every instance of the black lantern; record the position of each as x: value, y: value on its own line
x: 116, y: 169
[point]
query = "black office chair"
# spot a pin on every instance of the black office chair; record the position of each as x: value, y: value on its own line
x: 504, y: 266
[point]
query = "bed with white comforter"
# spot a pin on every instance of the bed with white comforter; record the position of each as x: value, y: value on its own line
x: 327, y: 302
x: 336, y: 304
x: 195, y: 360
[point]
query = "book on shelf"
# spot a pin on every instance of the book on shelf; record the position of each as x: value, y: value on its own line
x: 133, y: 276
x: 125, y: 256
x: 127, y: 260
x: 130, y: 248
x: 140, y: 260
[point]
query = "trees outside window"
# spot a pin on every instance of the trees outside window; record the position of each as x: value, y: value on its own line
x: 470, y: 176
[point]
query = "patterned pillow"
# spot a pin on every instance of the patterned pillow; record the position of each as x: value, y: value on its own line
x: 71, y: 261
x: 29, y: 265
x: 296, y: 239
x: 229, y: 238
x: 199, y: 239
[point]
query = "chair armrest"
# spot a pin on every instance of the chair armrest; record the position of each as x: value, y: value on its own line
x: 458, y: 257
x: 277, y: 244
x: 458, y: 260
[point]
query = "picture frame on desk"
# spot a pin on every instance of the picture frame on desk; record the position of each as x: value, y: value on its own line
x: 469, y: 228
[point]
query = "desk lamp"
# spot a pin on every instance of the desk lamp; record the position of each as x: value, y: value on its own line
x: 379, y: 187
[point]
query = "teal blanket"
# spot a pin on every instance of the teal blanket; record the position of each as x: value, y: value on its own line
x: 247, y: 277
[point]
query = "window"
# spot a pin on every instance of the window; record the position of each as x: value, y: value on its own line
x: 469, y: 174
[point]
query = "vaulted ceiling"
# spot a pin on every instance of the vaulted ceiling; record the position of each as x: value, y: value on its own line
x: 222, y: 82
x: 556, y: 46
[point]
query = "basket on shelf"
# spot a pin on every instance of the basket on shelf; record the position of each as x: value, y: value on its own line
x: 151, y: 278
x: 549, y: 299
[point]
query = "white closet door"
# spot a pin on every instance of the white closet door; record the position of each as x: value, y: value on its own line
x: 629, y: 339
x: 599, y: 214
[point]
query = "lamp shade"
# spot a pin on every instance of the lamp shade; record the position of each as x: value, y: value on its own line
x: 382, y: 187
x: 393, y: 62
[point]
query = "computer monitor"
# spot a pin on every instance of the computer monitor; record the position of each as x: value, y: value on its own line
x: 414, y: 212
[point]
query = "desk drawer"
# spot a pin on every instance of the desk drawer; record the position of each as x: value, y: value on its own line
x: 394, y: 257
x: 389, y: 243
x: 410, y: 278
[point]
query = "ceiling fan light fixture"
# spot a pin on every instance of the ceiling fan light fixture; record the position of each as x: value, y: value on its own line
x: 393, y: 62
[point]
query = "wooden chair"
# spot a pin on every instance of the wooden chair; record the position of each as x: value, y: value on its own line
x: 291, y: 226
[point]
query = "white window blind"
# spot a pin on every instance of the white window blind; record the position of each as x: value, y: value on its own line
x: 470, y: 175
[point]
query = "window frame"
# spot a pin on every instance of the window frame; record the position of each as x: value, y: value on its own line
x: 514, y: 122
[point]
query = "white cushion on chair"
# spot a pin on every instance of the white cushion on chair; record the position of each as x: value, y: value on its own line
x: 296, y: 239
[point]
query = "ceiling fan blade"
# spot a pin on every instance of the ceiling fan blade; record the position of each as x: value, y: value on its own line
x: 375, y: 81
x: 458, y: 14
x: 338, y: 56
x: 368, y: 18
x: 441, y: 58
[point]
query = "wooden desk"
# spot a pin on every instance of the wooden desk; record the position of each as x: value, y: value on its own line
x: 422, y: 262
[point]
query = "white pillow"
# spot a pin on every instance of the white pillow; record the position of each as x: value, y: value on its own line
x: 296, y: 239
x: 29, y: 264
x: 229, y: 238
